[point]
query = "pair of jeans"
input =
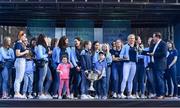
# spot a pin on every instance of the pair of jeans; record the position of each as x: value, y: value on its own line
x: 139, y: 79
x: 75, y: 81
x: 108, y: 74
x: 48, y: 81
x: 28, y: 82
x: 102, y: 87
x: 129, y: 71
x: 170, y: 77
x: 55, y: 76
x: 84, y: 84
x: 6, y: 74
x: 150, y: 81
x: 20, y: 65
x: 159, y: 82
x: 42, y: 76
x: 116, y: 76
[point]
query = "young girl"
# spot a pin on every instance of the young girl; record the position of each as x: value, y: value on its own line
x: 64, y: 69
x: 28, y: 76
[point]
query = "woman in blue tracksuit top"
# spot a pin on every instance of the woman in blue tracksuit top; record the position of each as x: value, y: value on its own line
x: 171, y: 72
x: 138, y: 82
x: 105, y: 49
x: 58, y: 52
x: 8, y: 59
x: 41, y: 52
x: 76, y: 71
x: 150, y: 86
x: 116, y: 73
x: 95, y: 58
x: 129, y: 55
x: 86, y: 63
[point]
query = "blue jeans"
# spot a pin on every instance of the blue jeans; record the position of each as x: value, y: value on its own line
x: 20, y: 65
x: 48, y: 81
x: 102, y: 87
x: 55, y: 83
x: 150, y: 81
x: 139, y: 79
x: 116, y: 76
x: 75, y: 80
x: 43, y: 72
x: 84, y: 84
x: 6, y: 73
x: 28, y: 82
x: 159, y: 82
x: 108, y: 74
x: 171, y: 75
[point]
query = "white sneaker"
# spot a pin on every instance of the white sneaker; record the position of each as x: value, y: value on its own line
x: 71, y: 96
x: 18, y: 96
x: 55, y: 96
x: 42, y: 96
x: 68, y: 97
x: 30, y: 96
x: 114, y: 95
x: 90, y: 97
x: 104, y: 97
x: 119, y: 96
x: 84, y: 96
x: 99, y: 97
x: 143, y: 96
x: 123, y: 96
x: 131, y: 97
x: 24, y: 96
x: 151, y: 95
x: 60, y: 97
x: 96, y: 97
x: 137, y: 96
x: 48, y: 96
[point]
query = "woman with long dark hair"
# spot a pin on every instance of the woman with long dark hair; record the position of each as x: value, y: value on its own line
x: 76, y: 71
x: 61, y: 50
x: 138, y: 82
x: 171, y: 72
x: 41, y: 52
x: 95, y: 58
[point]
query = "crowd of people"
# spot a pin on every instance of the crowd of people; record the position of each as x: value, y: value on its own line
x: 45, y: 68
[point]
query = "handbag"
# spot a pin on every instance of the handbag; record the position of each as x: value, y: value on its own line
x: 41, y: 63
x: 1, y: 65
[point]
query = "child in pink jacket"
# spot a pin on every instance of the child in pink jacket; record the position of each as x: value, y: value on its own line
x: 64, y: 70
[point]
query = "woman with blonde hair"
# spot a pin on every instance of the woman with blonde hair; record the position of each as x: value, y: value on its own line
x: 8, y: 58
x: 106, y: 50
x: 129, y: 55
x: 20, y: 63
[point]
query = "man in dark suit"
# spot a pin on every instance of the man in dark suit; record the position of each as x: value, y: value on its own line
x: 158, y: 58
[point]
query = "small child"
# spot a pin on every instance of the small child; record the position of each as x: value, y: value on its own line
x: 100, y: 68
x: 28, y: 76
x: 64, y: 70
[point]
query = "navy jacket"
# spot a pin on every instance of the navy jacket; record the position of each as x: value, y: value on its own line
x: 86, y: 60
x: 160, y: 60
